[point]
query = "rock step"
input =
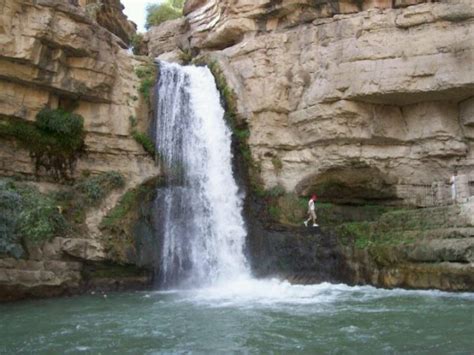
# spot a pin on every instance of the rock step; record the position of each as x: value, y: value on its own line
x: 427, y: 218
x: 440, y: 250
x: 30, y: 274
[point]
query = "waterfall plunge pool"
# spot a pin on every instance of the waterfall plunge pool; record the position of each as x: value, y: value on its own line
x: 205, y: 244
x: 246, y: 316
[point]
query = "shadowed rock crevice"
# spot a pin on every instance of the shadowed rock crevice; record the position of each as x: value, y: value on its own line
x: 355, y: 183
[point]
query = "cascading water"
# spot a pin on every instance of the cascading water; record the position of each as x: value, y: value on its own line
x: 200, y: 206
x: 200, y: 212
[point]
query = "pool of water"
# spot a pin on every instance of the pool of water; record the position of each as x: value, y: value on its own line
x: 246, y: 316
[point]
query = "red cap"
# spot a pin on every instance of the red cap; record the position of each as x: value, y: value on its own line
x: 314, y: 197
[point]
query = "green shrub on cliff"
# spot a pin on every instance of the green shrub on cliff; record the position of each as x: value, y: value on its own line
x: 62, y: 130
x: 54, y: 140
x: 159, y: 13
x: 117, y: 214
x: 26, y: 215
x: 147, y: 75
x: 119, y: 223
x: 392, y: 227
x: 95, y: 188
x: 116, y: 224
x: 10, y: 201
x: 145, y: 142
x: 142, y: 138
x: 116, y: 218
x: 88, y: 191
x: 39, y: 218
x: 139, y: 47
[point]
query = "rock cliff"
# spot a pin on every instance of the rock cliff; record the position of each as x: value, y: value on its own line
x: 362, y: 102
x: 56, y: 54
x: 359, y: 100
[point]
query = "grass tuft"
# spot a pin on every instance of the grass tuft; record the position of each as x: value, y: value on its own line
x: 147, y: 75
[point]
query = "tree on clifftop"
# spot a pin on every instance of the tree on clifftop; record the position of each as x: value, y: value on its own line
x: 165, y: 11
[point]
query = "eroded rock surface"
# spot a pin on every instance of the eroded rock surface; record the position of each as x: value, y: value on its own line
x: 360, y: 101
x: 437, y: 256
x: 379, y: 90
x: 111, y: 16
x: 54, y: 54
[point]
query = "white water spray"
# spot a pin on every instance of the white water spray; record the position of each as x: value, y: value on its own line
x: 201, y: 209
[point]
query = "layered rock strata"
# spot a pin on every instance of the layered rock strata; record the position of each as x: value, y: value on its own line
x: 52, y: 54
x: 359, y: 101
x: 111, y: 17
x: 371, y: 96
x: 438, y: 256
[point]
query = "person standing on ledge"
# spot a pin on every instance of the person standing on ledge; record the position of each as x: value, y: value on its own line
x: 311, y: 211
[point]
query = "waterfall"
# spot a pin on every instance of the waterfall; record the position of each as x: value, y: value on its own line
x: 200, y: 208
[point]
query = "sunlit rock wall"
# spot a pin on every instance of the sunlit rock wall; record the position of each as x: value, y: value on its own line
x: 54, y: 54
x: 359, y: 100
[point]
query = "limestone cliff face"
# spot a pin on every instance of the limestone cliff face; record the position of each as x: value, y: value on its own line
x: 360, y: 101
x: 53, y: 54
x: 111, y: 16
x: 371, y: 98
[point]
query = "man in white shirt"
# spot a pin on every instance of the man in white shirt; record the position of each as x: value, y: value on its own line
x: 311, y: 211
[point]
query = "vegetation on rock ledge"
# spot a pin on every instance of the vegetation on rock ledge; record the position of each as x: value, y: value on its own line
x: 55, y: 139
x: 118, y: 223
x: 88, y: 191
x: 145, y: 142
x: 397, y: 226
x: 95, y: 188
x: 26, y: 215
x: 142, y: 138
x: 147, y: 75
x: 139, y: 46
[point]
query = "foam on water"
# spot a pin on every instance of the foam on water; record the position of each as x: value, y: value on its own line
x: 249, y: 292
x: 200, y: 209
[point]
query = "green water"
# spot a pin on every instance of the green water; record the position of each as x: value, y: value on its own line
x: 244, y: 317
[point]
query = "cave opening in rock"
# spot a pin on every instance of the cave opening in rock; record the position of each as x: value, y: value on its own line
x: 355, y: 183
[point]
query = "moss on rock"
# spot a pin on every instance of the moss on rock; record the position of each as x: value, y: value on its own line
x: 147, y: 74
x: 117, y: 225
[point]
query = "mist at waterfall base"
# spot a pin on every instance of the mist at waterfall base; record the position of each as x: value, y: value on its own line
x: 208, y: 300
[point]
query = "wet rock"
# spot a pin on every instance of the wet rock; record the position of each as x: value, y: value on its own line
x: 301, y: 255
